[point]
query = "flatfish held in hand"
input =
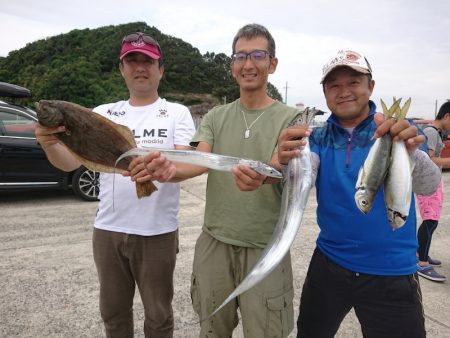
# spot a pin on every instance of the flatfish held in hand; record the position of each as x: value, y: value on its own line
x: 93, y: 139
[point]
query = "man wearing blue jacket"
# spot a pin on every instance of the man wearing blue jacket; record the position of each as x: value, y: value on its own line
x: 359, y: 261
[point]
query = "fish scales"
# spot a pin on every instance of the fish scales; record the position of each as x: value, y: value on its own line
x: 96, y: 141
x: 79, y: 139
x: 373, y: 172
x: 398, y: 186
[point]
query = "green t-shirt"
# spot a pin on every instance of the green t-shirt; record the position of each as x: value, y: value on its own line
x: 232, y: 216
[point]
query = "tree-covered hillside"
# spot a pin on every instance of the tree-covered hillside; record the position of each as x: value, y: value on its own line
x: 82, y: 66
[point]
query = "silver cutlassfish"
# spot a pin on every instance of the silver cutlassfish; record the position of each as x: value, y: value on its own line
x: 295, y: 196
x: 373, y: 172
x: 205, y: 159
x: 398, y: 183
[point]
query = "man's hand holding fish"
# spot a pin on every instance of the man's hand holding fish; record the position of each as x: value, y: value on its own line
x: 152, y: 166
x: 400, y: 130
x: 291, y: 140
x: 56, y: 152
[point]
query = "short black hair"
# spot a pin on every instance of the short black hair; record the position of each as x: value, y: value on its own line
x: 445, y: 109
x: 252, y: 31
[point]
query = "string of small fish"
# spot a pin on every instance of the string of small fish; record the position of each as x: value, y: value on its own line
x: 388, y: 164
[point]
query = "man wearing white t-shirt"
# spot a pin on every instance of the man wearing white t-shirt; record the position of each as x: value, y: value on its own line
x: 135, y: 243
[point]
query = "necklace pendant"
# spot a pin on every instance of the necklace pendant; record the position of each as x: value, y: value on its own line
x: 247, y: 133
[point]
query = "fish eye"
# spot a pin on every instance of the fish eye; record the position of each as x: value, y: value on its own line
x: 364, y: 202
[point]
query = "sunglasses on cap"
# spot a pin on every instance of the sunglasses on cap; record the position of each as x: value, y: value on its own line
x: 133, y: 37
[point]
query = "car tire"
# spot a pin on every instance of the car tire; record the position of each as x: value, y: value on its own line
x: 85, y: 184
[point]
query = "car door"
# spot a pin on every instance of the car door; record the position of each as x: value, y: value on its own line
x: 22, y: 160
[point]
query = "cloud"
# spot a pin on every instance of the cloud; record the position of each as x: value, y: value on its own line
x: 406, y: 41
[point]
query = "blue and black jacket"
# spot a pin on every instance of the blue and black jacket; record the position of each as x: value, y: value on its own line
x: 353, y: 240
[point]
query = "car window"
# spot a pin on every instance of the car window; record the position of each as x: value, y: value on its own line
x: 13, y: 124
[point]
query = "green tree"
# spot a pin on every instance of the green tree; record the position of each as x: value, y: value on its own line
x: 82, y: 66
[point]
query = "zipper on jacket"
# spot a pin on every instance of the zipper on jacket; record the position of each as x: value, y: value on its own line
x: 349, y: 147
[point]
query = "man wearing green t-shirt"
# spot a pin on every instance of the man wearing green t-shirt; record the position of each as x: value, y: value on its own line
x: 238, y: 225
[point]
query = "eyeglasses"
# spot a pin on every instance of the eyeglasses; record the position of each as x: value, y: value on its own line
x: 133, y: 37
x: 255, y: 55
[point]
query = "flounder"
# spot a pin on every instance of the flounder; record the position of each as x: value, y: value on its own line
x: 93, y: 139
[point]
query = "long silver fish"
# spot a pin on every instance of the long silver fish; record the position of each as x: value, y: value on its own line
x: 398, y: 183
x: 205, y: 159
x: 295, y: 196
x: 373, y: 172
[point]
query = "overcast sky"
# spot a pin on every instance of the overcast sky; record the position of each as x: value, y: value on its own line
x: 407, y: 42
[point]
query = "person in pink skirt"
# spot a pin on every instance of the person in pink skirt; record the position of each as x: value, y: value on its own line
x: 430, y: 207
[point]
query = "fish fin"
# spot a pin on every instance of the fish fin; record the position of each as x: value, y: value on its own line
x: 145, y: 189
x: 388, y: 113
x: 404, y: 109
x: 394, y: 99
x: 126, y: 133
x: 94, y: 166
x: 142, y: 189
x: 395, y: 106
x: 385, y: 109
x: 304, y: 116
x: 400, y: 112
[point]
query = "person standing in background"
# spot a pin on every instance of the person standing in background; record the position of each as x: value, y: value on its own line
x: 430, y: 207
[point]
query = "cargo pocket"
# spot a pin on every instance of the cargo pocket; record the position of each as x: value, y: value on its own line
x: 195, y: 296
x: 280, y: 315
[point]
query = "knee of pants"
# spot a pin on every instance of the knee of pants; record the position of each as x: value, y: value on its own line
x: 195, y: 297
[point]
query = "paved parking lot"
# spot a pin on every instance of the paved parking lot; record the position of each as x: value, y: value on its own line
x: 48, y: 283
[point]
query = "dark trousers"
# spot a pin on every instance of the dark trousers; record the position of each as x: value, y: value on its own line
x: 386, y: 306
x: 424, y: 235
x: 125, y: 260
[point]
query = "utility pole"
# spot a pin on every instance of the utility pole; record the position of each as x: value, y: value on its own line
x: 435, y: 109
x: 285, y: 95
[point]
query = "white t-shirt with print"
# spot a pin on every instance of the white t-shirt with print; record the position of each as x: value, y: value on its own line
x: 163, y: 125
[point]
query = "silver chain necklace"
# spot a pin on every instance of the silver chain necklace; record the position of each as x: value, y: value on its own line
x: 248, y: 127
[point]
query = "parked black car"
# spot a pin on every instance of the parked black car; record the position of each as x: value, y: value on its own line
x: 23, y: 164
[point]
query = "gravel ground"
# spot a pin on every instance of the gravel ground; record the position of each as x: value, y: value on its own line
x: 48, y: 282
